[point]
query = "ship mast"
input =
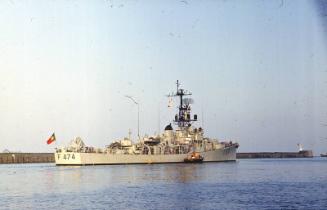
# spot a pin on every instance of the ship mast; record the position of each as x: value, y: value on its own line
x: 183, y: 118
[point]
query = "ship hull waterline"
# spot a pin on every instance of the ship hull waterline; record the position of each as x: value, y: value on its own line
x: 81, y: 159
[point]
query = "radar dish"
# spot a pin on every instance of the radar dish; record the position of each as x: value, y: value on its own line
x: 188, y: 101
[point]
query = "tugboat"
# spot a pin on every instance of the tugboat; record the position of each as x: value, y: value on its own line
x: 194, y: 157
x: 186, y: 143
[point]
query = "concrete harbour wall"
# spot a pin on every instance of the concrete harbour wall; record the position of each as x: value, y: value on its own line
x: 250, y: 155
x: 7, y: 158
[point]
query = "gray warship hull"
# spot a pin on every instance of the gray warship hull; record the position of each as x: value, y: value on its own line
x: 172, y: 146
x: 78, y: 158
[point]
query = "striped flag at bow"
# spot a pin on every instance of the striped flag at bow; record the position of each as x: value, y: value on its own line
x: 51, y: 139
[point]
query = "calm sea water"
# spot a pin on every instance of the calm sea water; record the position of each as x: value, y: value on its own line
x: 245, y: 184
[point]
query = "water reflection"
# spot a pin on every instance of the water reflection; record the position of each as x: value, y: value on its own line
x: 129, y: 175
x: 166, y: 186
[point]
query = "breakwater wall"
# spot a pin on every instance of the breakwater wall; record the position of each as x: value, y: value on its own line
x: 301, y: 154
x: 7, y: 158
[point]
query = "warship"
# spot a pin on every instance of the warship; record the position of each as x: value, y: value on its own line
x: 184, y: 144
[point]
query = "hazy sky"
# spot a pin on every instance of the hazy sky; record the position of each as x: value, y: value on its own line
x: 257, y: 70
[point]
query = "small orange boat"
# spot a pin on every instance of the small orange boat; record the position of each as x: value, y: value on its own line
x: 194, y: 157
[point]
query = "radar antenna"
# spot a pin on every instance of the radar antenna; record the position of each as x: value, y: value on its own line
x: 183, y: 118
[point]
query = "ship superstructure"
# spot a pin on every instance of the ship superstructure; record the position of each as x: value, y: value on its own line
x: 172, y: 146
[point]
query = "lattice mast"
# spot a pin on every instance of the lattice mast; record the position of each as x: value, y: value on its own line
x: 183, y: 118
